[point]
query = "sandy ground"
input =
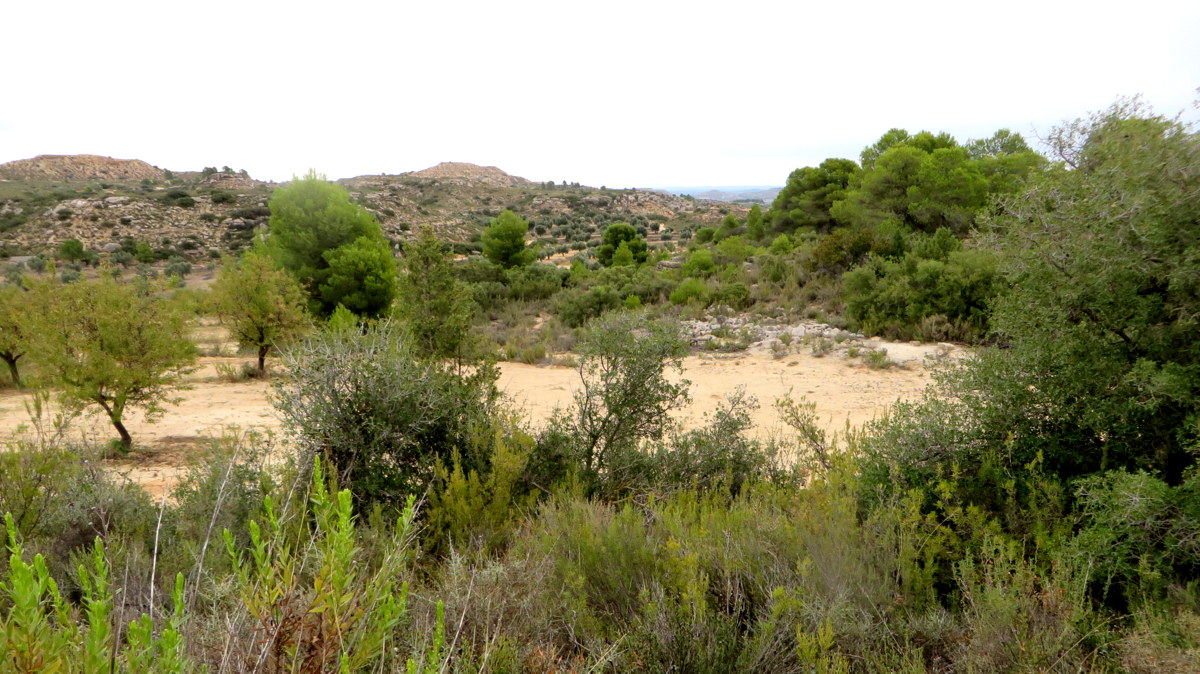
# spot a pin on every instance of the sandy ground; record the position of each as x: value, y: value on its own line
x: 843, y: 389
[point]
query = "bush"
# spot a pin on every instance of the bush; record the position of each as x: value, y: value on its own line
x: 577, y: 306
x: 688, y: 291
x: 383, y: 417
x: 699, y: 264
x: 624, y: 399
x: 71, y: 249
x: 897, y: 299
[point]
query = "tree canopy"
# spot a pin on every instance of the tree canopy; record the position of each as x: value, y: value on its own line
x: 504, y: 241
x: 616, y: 234
x: 434, y: 304
x: 111, y: 344
x: 334, y: 247
x: 1103, y: 365
x: 260, y: 304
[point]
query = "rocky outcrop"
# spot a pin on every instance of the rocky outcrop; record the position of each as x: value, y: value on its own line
x: 79, y: 167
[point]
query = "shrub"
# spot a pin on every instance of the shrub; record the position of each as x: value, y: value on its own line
x: 577, y: 306
x: 690, y: 290
x: 624, y: 398
x: 71, y: 249
x: 383, y: 417
x: 699, y: 264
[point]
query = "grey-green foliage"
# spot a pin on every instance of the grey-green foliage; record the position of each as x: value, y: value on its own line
x: 630, y: 368
x: 367, y: 402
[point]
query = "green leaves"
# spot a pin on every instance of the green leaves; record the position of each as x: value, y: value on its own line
x: 621, y: 233
x: 504, y: 241
x: 260, y: 304
x: 111, y: 344
x: 334, y: 247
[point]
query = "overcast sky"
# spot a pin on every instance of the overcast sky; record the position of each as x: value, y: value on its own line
x: 616, y: 93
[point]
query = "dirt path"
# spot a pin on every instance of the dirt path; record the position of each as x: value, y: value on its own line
x: 843, y: 389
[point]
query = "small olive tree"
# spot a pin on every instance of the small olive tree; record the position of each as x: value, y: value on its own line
x: 630, y: 370
x: 364, y: 400
x: 111, y: 344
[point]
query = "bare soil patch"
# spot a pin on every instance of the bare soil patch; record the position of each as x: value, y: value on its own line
x: 843, y: 388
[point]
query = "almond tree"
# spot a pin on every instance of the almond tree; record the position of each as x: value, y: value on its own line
x: 260, y: 304
x: 111, y: 344
x: 14, y: 310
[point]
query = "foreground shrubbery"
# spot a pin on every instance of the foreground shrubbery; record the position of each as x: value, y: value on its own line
x: 767, y: 577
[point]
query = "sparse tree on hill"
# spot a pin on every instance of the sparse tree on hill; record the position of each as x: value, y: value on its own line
x: 260, y: 304
x: 504, y: 241
x: 111, y: 344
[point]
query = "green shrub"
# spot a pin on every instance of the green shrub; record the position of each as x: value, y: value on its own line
x: 71, y: 249
x: 699, y: 264
x: 690, y: 290
x: 1140, y: 536
x: 948, y: 295
x: 577, y: 306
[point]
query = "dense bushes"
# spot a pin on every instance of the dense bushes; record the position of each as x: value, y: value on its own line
x: 935, y: 291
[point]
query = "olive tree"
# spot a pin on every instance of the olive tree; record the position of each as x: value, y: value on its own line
x: 630, y: 381
x: 364, y: 400
x: 111, y: 344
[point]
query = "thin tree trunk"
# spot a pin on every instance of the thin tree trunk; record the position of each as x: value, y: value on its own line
x: 126, y: 439
x: 11, y: 360
x: 262, y: 359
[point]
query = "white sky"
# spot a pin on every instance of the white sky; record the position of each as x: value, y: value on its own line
x: 616, y: 93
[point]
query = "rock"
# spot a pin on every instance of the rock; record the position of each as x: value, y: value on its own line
x: 110, y: 248
x: 116, y: 201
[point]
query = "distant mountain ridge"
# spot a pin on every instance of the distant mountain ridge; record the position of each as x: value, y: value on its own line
x: 765, y: 195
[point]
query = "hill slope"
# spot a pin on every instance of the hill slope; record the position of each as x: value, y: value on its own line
x: 103, y: 202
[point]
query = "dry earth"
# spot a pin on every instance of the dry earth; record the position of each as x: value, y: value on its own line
x: 843, y: 389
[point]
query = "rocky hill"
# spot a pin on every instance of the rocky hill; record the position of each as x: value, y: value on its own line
x: 471, y: 175
x: 78, y: 167
x: 105, y: 202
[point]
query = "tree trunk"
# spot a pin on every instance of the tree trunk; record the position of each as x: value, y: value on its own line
x: 11, y: 360
x: 262, y: 360
x: 114, y: 415
x: 126, y: 439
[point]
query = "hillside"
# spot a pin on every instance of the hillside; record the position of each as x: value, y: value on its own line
x: 103, y: 202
